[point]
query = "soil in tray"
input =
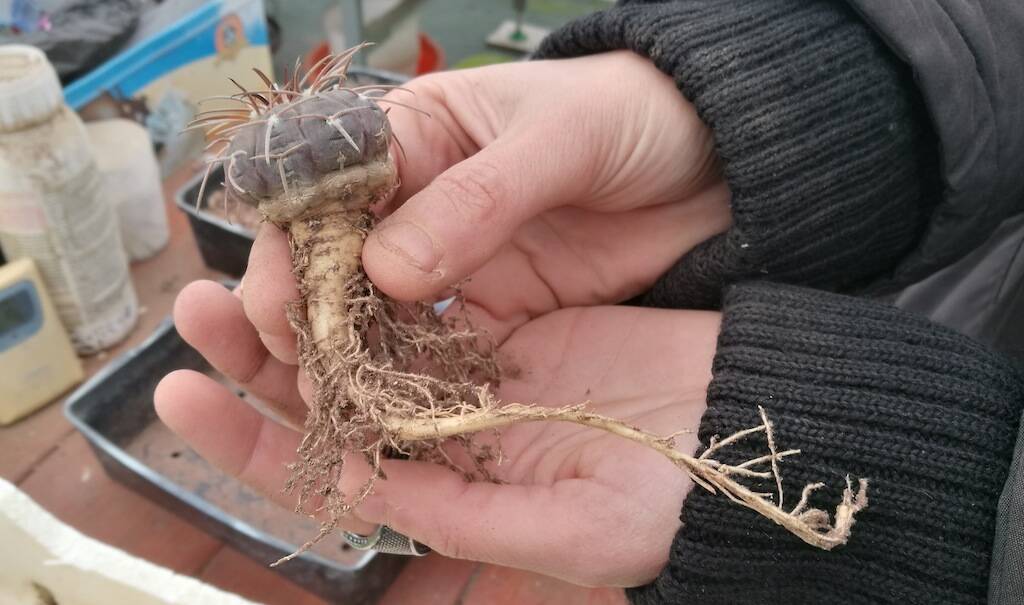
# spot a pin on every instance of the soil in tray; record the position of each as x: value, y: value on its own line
x: 162, y: 451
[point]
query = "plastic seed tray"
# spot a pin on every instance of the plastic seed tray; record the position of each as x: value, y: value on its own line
x: 114, y: 411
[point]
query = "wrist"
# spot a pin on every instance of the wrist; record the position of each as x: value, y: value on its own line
x: 854, y: 385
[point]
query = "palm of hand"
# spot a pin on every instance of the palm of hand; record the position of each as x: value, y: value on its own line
x: 573, y: 257
x: 569, y: 490
x: 591, y: 488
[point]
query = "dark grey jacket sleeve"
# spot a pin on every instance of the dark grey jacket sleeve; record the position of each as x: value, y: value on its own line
x: 968, y: 61
x: 823, y: 139
x: 1006, y: 582
x: 867, y: 143
x: 929, y: 416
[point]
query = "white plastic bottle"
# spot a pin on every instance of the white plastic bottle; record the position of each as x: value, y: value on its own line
x: 131, y: 182
x: 51, y: 205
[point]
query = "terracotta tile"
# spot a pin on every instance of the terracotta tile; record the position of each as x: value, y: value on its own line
x: 430, y: 580
x: 505, y: 586
x: 233, y: 571
x: 71, y: 484
x: 24, y: 444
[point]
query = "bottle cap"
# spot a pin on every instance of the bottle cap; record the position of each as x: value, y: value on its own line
x: 30, y: 91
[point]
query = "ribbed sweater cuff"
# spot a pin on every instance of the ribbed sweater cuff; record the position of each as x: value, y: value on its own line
x: 928, y: 416
x: 819, y: 127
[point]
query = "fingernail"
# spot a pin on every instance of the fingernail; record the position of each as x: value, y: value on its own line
x: 412, y: 244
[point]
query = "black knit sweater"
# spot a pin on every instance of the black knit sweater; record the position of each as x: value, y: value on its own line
x: 832, y: 169
x: 821, y: 132
x: 861, y: 388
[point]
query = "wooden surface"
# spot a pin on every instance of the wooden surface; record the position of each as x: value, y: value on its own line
x: 51, y: 462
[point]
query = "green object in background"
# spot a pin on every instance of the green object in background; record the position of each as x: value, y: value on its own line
x: 517, y: 33
x: 562, y: 9
x: 484, y: 58
x: 462, y: 26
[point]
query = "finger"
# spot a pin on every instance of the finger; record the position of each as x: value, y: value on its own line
x: 211, y: 319
x: 283, y: 348
x: 232, y: 436
x: 269, y: 283
x: 521, y: 526
x: 593, y: 257
x: 434, y: 138
x: 457, y: 222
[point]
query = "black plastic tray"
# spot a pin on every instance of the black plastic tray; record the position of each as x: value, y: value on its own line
x: 224, y: 246
x: 114, y: 411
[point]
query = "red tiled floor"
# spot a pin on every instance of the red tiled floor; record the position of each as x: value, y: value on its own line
x: 430, y: 580
x: 232, y: 571
x: 25, y: 444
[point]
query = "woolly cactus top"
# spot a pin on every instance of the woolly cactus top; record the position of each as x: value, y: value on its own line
x: 301, y: 142
x: 285, y: 147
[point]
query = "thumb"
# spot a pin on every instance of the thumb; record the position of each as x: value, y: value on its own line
x: 524, y: 526
x: 462, y: 218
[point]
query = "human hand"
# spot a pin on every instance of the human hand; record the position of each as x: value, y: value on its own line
x: 577, y: 195
x: 556, y: 183
x: 575, y: 503
x: 552, y: 183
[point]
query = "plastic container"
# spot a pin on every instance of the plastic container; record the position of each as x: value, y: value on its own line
x: 131, y: 183
x: 52, y: 208
x: 45, y: 561
x: 224, y: 245
x: 35, y: 353
x: 114, y: 411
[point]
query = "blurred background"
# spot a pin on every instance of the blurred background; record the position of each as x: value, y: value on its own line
x: 152, y: 61
x: 102, y: 222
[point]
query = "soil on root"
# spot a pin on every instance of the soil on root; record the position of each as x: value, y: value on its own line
x: 393, y: 360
